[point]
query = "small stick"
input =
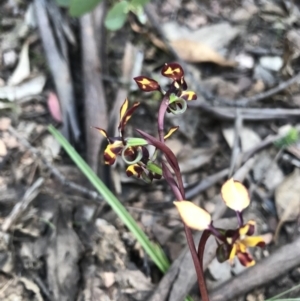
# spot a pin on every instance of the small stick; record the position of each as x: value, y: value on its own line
x: 31, y: 193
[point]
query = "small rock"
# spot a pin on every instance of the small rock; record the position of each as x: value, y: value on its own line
x: 245, y: 61
x: 9, y: 58
x: 273, y: 63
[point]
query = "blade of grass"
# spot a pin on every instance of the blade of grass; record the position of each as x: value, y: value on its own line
x: 284, y: 293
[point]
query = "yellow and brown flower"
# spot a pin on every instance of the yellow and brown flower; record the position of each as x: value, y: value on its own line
x: 237, y: 242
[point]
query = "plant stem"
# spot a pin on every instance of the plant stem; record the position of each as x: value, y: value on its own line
x: 180, y: 195
x: 204, y: 237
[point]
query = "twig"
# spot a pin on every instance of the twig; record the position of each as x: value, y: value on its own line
x: 250, y: 100
x: 20, y: 207
x: 236, y: 148
x: 281, y: 261
x: 247, y: 113
x: 54, y: 171
x: 94, y: 97
x: 205, y: 183
x: 59, y: 68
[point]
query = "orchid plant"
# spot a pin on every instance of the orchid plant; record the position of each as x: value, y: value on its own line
x: 134, y: 152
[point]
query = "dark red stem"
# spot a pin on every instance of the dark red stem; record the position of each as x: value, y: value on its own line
x: 180, y: 195
x: 204, y: 237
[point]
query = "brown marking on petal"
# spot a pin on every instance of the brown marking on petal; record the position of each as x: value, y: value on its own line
x: 134, y: 170
x: 111, y: 152
x: 245, y: 259
x: 147, y: 84
x: 172, y: 70
x: 188, y: 95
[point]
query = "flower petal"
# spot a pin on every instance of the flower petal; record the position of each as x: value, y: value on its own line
x: 103, y: 132
x: 127, y: 115
x: 233, y: 252
x: 223, y: 252
x: 254, y: 241
x: 171, y: 131
x: 246, y: 259
x: 188, y: 95
x: 124, y: 108
x: 235, y: 195
x: 247, y: 229
x: 111, y: 152
x: 172, y: 70
x: 147, y: 84
x: 192, y: 215
x: 134, y: 170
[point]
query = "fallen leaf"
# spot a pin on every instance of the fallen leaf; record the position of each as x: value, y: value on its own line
x: 22, y: 70
x: 287, y: 200
x: 192, y: 159
x: 267, y: 171
x: 249, y: 138
x: 196, y: 52
x: 31, y: 286
x: 54, y: 107
x: 216, y: 36
x: 50, y: 148
x: 134, y: 280
x: 31, y: 87
x: 63, y: 253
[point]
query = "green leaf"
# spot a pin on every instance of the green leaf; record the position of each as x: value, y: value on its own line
x: 64, y: 3
x: 80, y: 7
x: 135, y: 141
x: 116, y: 16
x: 154, y: 168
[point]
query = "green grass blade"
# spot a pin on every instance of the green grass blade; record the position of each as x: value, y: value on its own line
x: 153, y: 250
x: 275, y: 298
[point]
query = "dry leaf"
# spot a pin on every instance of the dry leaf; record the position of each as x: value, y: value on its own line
x: 196, y: 52
x: 33, y: 86
x: 192, y: 159
x: 287, y: 198
x: 22, y: 70
x: 216, y: 36
x: 249, y: 138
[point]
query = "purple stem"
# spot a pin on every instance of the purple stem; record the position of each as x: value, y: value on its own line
x: 180, y: 195
x: 239, y: 216
x: 161, y: 127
